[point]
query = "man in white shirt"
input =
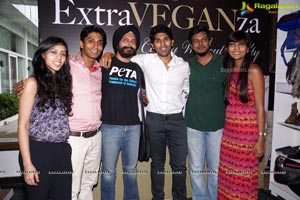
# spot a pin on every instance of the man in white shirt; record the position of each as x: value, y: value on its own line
x: 166, y: 77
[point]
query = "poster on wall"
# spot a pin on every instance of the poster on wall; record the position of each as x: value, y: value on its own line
x: 66, y: 18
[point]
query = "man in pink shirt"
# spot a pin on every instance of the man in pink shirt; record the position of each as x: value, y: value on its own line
x: 85, y: 135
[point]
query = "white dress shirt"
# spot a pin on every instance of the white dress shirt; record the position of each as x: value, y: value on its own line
x: 164, y: 88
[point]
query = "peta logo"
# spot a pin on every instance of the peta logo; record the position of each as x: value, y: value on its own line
x: 246, y: 9
x: 123, y: 72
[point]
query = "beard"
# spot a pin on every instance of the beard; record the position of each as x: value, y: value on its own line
x: 126, y: 52
x: 204, y: 53
x: 201, y: 54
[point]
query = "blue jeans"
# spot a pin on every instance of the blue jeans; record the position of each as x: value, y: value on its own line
x: 204, y: 147
x: 116, y: 138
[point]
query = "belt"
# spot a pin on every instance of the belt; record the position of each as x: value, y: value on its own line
x: 85, y: 134
x: 176, y: 116
x: 31, y: 138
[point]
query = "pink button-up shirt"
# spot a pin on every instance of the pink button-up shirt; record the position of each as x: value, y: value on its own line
x: 87, y: 96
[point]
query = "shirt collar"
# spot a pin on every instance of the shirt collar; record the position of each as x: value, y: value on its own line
x: 175, y: 59
x: 79, y: 59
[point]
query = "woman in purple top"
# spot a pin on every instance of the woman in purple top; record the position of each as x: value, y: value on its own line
x: 43, y: 128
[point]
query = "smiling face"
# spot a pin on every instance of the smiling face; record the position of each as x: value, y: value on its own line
x: 55, y: 57
x: 162, y: 44
x: 91, y: 46
x: 238, y: 50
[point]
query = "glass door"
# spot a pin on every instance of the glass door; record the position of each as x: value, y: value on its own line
x: 13, y: 71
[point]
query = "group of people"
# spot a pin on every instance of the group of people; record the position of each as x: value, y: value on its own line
x: 74, y: 114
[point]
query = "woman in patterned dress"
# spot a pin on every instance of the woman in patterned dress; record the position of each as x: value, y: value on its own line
x: 243, y: 138
x: 43, y: 128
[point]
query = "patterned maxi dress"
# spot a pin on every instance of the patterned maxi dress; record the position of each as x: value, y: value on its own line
x: 238, y: 168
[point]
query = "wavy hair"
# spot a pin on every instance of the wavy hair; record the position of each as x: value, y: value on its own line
x: 228, y: 62
x: 160, y: 28
x: 52, y: 87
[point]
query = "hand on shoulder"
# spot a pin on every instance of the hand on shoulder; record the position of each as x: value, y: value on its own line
x: 106, y: 59
x: 31, y: 81
x: 30, y: 87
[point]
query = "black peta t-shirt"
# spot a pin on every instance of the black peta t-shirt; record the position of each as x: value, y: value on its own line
x: 120, y: 86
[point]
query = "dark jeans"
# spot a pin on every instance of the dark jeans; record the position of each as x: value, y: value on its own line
x: 168, y: 130
x: 53, y: 162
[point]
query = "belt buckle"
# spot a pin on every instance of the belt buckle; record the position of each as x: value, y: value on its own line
x: 81, y: 133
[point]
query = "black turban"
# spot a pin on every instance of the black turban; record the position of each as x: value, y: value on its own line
x: 121, y: 31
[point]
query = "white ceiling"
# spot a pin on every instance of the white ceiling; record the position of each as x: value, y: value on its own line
x: 8, y: 11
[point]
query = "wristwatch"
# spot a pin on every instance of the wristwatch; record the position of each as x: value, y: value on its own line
x: 262, y: 133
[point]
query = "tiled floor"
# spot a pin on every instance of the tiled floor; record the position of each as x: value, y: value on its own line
x: 19, y: 193
x: 263, y: 195
x: 9, y: 133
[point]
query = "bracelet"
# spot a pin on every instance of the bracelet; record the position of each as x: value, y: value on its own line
x: 262, y: 134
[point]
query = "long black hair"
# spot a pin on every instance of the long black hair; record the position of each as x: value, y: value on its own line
x: 228, y: 62
x: 52, y: 86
